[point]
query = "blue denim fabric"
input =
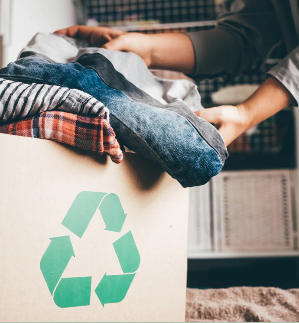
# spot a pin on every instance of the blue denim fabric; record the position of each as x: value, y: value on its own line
x: 154, y: 132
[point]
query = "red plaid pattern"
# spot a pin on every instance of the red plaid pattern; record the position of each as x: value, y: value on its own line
x: 85, y: 132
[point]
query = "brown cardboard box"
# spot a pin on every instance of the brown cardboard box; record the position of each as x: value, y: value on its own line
x: 135, y: 270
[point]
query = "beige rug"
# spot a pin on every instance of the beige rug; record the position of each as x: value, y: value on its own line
x: 242, y: 304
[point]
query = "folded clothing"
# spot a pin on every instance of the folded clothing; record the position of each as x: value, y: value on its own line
x: 190, y: 149
x: 129, y: 64
x: 85, y: 132
x: 19, y: 100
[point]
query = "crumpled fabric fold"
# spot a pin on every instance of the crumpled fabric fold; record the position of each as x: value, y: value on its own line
x: 78, y: 120
x: 92, y: 133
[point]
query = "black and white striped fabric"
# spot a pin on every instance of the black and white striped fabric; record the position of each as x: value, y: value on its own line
x: 20, y: 100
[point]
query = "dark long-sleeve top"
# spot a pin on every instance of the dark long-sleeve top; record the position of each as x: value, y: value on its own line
x: 244, y: 37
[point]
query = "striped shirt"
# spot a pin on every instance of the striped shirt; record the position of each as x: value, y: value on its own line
x: 20, y: 100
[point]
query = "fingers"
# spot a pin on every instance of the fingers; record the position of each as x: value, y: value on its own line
x: 211, y: 115
x: 61, y: 32
x: 83, y: 32
x: 75, y: 31
x: 96, y: 36
x: 119, y: 43
x: 215, y: 116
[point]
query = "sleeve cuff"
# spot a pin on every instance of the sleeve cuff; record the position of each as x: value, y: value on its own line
x: 287, y: 73
x: 216, y: 52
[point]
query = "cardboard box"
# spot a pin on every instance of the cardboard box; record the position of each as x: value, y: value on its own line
x: 86, y: 240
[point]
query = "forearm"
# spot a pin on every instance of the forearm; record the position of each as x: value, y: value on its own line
x: 270, y: 98
x: 232, y: 121
x: 171, y: 51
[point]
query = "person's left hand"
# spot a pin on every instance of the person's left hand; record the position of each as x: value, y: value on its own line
x: 231, y: 121
x: 113, y: 39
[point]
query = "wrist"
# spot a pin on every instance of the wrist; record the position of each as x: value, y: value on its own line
x: 269, y: 98
x: 246, y: 116
x: 153, y: 56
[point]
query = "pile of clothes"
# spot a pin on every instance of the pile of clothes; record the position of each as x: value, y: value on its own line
x: 106, y: 101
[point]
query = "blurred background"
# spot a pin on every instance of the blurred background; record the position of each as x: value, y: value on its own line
x: 243, y: 225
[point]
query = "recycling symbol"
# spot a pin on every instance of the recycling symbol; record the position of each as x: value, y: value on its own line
x: 76, y: 291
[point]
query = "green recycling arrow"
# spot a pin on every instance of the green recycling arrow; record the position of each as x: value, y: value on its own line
x: 72, y: 292
x: 81, y: 211
x: 112, y: 213
x: 76, y: 291
x: 84, y: 207
x: 113, y: 288
x: 55, y: 260
x: 127, y: 253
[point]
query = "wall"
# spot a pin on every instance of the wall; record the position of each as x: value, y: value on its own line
x: 24, y: 18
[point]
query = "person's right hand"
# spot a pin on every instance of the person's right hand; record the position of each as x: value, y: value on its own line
x: 231, y: 121
x: 112, y: 39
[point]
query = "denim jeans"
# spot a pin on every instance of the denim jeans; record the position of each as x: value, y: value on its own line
x: 190, y: 149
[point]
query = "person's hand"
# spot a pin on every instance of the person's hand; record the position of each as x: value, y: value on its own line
x: 112, y: 39
x: 170, y: 51
x: 96, y: 36
x: 231, y: 121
